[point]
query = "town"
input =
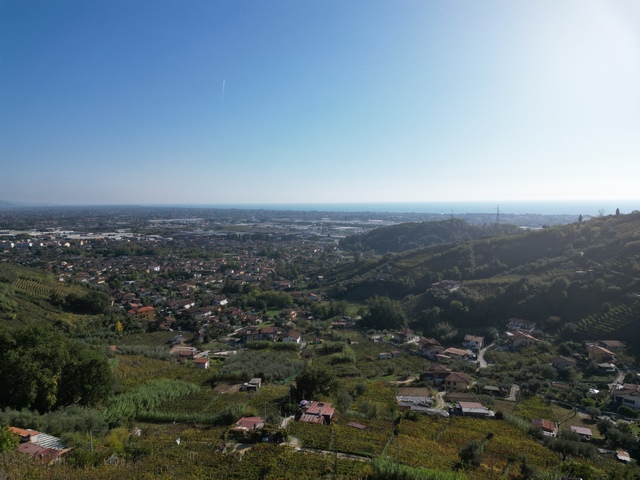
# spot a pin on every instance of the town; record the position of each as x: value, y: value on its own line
x: 240, y: 327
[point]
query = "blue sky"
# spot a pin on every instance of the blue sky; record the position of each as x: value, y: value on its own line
x: 314, y: 101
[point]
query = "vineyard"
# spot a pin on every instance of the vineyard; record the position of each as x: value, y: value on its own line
x: 38, y: 289
x: 435, y: 444
x: 606, y: 324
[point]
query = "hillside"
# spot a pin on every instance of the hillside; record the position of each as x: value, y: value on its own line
x: 586, y: 274
x: 408, y: 236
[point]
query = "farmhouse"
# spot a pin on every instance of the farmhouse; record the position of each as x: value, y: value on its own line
x: 316, y: 412
x: 549, y: 428
x: 473, y: 409
x: 457, y: 353
x: 249, y: 424
x: 457, y: 381
x: 184, y: 352
x: 41, y: 446
x: 202, y: 363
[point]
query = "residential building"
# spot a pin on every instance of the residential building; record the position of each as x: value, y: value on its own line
x: 518, y: 339
x: 560, y: 363
x: 474, y: 342
x: 317, y: 412
x: 549, y: 428
x: 249, y: 424
x: 628, y: 394
x: 457, y: 381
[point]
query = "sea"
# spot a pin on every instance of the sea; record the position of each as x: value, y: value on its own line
x: 585, y: 208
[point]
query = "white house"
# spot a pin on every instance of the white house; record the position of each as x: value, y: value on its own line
x: 473, y: 342
x: 628, y: 394
x: 292, y: 337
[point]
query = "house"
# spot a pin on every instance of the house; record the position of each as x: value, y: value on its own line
x: 143, y: 313
x: 606, y: 367
x: 584, y: 432
x: 414, y: 403
x: 628, y: 394
x: 249, y: 424
x: 522, y: 325
x: 560, y: 363
x: 265, y: 333
x: 615, y: 346
x: 384, y: 355
x: 457, y: 353
x: 317, y: 412
x: 405, y: 335
x: 429, y: 347
x: 184, y: 352
x: 40, y: 446
x: 519, y: 339
x: 549, y: 428
x: 600, y: 354
x: 457, y: 381
x: 473, y: 342
x: 473, y: 409
x: 292, y: 336
x: 436, y: 374
x: 202, y: 363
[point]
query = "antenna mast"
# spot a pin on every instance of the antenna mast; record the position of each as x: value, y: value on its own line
x: 497, y: 214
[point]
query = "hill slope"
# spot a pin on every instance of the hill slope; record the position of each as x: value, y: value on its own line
x: 587, y: 274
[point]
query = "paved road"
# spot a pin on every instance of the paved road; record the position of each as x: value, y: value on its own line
x: 481, y: 361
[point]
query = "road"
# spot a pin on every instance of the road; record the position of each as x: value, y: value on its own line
x: 481, y: 361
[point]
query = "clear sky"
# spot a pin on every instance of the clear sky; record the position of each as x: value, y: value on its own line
x: 318, y: 101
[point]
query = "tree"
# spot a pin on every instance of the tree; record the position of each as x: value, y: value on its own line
x: 593, y: 412
x: 41, y: 369
x: 8, y: 440
x: 384, y: 314
x: 471, y: 454
x: 343, y: 401
x: 315, y: 382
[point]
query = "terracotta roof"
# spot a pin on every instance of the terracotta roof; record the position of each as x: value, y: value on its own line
x: 249, y: 423
x: 544, y: 424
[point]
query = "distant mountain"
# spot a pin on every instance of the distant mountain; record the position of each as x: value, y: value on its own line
x: 6, y: 204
